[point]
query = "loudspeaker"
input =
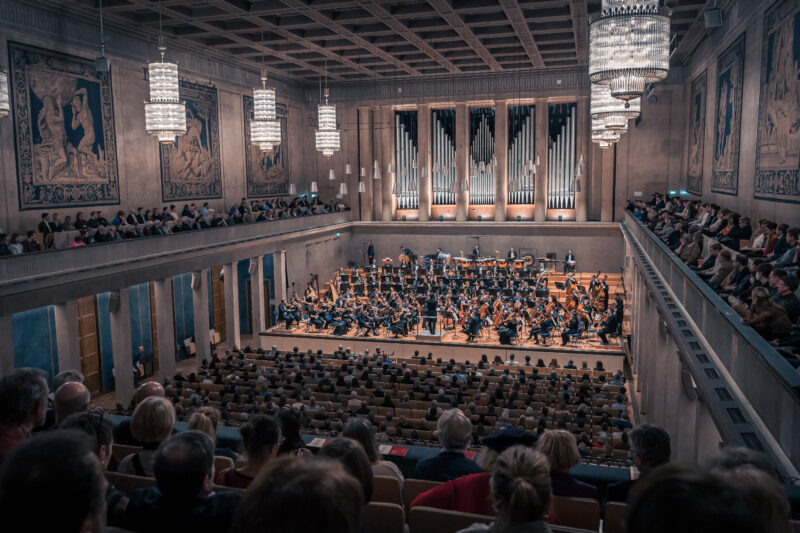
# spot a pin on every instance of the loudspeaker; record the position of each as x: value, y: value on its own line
x: 404, y: 218
x: 101, y: 64
x: 113, y: 302
x: 560, y: 218
x: 253, y: 266
x: 441, y: 218
x: 480, y: 217
x: 196, y: 280
x: 713, y: 18
x: 519, y: 218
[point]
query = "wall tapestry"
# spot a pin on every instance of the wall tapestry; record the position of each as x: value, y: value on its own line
x: 728, y: 119
x: 63, y: 130
x: 778, y: 148
x: 697, y: 134
x: 191, y: 168
x: 267, y: 173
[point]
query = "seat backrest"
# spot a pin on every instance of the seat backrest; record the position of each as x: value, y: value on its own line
x: 387, y: 489
x: 221, y: 463
x: 413, y: 487
x: 430, y: 520
x: 381, y: 517
x: 615, y: 513
x: 128, y: 483
x: 121, y: 451
x: 582, y: 513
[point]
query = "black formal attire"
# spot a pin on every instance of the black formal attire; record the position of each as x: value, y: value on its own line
x: 568, y: 267
x: 371, y: 254
x: 476, y: 252
x: 610, y: 326
x: 571, y: 328
x: 512, y: 254
x: 430, y: 315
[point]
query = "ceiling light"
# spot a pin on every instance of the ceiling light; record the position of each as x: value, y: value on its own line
x: 327, y: 136
x: 165, y: 113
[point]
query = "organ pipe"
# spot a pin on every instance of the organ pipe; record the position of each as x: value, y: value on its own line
x: 521, y: 149
x: 481, y: 190
x: 407, y: 177
x: 561, y: 157
x: 444, y: 155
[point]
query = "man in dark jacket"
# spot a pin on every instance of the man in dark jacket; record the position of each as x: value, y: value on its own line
x: 184, y: 499
x: 651, y: 448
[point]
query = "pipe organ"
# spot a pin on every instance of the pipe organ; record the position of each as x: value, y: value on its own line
x: 443, y: 156
x: 481, y: 156
x: 521, y: 154
x: 406, y: 162
x: 561, y: 156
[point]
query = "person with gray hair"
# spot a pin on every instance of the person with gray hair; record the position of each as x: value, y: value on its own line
x: 650, y: 447
x: 23, y: 406
x: 454, y: 432
x: 67, y: 376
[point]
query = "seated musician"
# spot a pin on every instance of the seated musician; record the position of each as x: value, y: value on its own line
x: 509, y: 330
x: 609, y: 326
x: 570, y: 329
x: 569, y: 262
x: 473, y: 326
x: 288, y: 314
x: 545, y: 324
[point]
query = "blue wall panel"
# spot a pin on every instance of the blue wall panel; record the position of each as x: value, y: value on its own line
x: 34, y: 340
x: 141, y: 320
x: 269, y: 273
x: 184, y: 307
x: 243, y: 270
x: 106, y: 346
x: 210, y: 302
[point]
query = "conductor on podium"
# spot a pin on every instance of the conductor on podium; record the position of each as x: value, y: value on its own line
x: 371, y: 252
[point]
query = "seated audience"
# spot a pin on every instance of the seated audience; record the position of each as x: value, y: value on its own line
x: 454, y: 431
x: 122, y: 431
x: 363, y: 432
x: 72, y: 397
x: 206, y: 419
x: 151, y: 423
x: 650, y: 446
x: 53, y: 483
x: 302, y: 495
x: 561, y: 450
x: 184, y: 499
x: 354, y: 460
x: 260, y: 437
x: 23, y: 406
x: 293, y: 442
x: 520, y: 493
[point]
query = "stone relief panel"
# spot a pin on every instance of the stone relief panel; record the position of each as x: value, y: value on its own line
x: 63, y: 121
x: 778, y: 148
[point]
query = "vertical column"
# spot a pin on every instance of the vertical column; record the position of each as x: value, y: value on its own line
x: 377, y: 185
x: 387, y: 153
x: 542, y: 142
x: 365, y: 162
x: 501, y: 153
x: 165, y: 326
x: 120, y: 318
x: 462, y: 161
x: 67, y: 341
x: 350, y: 157
x: 257, y: 314
x: 606, y: 171
x: 7, y: 355
x: 230, y: 281
x: 279, y: 275
x: 425, y: 174
x: 582, y: 133
x: 202, y: 334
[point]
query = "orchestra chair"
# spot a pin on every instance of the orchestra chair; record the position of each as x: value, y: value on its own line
x: 387, y: 489
x: 583, y: 513
x: 431, y: 520
x: 381, y: 517
x: 414, y: 487
x: 613, y: 520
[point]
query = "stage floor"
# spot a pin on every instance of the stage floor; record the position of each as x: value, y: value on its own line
x: 452, y: 345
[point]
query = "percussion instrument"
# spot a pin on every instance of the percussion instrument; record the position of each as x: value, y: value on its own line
x: 528, y: 260
x: 386, y: 261
x: 502, y: 263
x: 403, y: 259
x: 443, y: 257
x: 519, y: 264
x: 464, y: 262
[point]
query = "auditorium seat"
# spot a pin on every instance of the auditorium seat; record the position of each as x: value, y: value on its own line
x: 381, y: 517
x: 222, y: 462
x: 615, y: 513
x: 128, y: 483
x: 430, y: 520
x: 121, y: 451
x: 583, y: 513
x: 413, y: 487
x: 387, y: 489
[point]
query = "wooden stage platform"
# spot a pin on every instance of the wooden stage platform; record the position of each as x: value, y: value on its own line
x: 452, y: 345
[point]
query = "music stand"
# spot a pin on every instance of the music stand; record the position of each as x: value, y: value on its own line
x: 559, y: 285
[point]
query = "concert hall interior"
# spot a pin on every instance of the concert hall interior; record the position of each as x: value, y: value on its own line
x: 400, y: 266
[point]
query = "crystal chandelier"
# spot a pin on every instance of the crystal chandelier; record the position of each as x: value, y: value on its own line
x: 629, y: 46
x: 327, y: 134
x: 603, y: 136
x: 165, y: 113
x: 5, y: 106
x: 613, y: 112
x: 265, y: 129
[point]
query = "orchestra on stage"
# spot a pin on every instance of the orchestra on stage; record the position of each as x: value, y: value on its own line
x: 478, y: 296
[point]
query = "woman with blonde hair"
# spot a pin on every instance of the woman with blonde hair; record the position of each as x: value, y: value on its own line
x: 151, y: 423
x: 562, y: 453
x: 520, y: 493
x: 206, y: 419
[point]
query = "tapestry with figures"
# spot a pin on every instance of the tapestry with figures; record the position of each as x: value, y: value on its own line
x: 190, y: 167
x: 63, y: 120
x: 728, y: 119
x: 697, y: 134
x: 267, y: 172
x: 778, y: 148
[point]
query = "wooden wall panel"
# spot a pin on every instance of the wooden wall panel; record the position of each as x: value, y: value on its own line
x: 218, y: 301
x: 89, y: 343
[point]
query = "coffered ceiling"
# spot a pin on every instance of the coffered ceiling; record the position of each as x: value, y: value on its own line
x: 378, y: 39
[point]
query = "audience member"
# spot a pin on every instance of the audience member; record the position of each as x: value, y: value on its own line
x: 206, y: 419
x: 151, y: 423
x: 71, y: 397
x: 363, y: 432
x: 454, y: 432
x: 23, y: 405
x: 561, y: 450
x: 650, y: 446
x: 260, y: 437
x: 122, y: 431
x: 354, y: 459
